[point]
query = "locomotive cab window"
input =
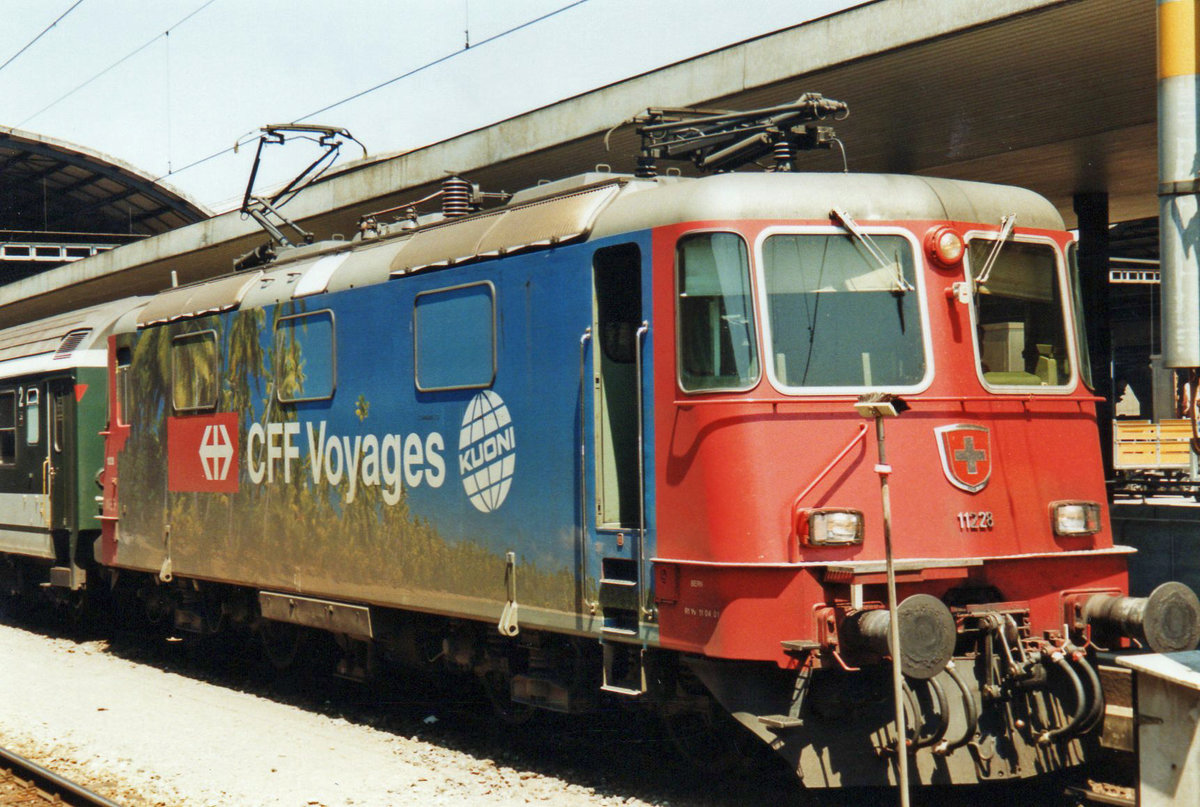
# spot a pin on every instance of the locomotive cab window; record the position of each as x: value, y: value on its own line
x: 8, y: 427
x: 838, y: 316
x: 305, y: 357
x: 1020, y: 325
x: 455, y: 337
x: 194, y: 377
x: 717, y: 342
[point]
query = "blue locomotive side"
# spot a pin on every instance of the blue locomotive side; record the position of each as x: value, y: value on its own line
x: 393, y: 444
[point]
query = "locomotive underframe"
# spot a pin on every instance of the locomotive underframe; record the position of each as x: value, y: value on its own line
x: 835, y: 724
x: 832, y: 722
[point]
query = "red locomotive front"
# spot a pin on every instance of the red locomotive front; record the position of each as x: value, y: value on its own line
x: 954, y: 303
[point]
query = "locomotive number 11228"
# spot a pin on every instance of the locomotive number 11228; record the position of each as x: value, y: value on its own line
x: 980, y: 520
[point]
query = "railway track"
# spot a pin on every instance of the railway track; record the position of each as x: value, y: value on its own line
x: 23, y: 782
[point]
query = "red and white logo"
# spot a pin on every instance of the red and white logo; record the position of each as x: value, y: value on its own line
x: 202, y: 453
x: 966, y: 452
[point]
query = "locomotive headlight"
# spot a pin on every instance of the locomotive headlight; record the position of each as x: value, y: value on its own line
x: 944, y: 245
x: 830, y: 527
x: 1075, y: 518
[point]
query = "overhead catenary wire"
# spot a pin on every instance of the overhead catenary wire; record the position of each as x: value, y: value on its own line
x: 243, y: 140
x: 115, y: 64
x: 438, y: 61
x: 45, y: 30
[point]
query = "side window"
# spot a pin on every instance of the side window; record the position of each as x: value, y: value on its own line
x: 194, y: 377
x: 58, y: 407
x: 33, y: 419
x: 8, y: 427
x: 305, y: 357
x: 716, y: 339
x: 455, y: 337
x: 121, y: 381
x: 618, y: 272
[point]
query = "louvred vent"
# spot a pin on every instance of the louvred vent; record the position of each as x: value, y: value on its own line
x: 69, y: 342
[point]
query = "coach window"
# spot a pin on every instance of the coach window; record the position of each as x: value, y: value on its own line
x: 1020, y: 315
x: 717, y: 344
x: 305, y: 357
x: 194, y: 377
x: 838, y: 316
x: 454, y: 340
x: 58, y: 423
x: 33, y: 420
x: 8, y: 427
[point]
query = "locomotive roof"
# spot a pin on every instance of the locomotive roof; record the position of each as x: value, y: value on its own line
x: 811, y: 196
x: 72, y: 339
x: 595, y: 206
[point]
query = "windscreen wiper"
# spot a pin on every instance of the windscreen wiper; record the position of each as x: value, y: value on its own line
x: 1006, y: 228
x: 965, y: 290
x: 902, y: 284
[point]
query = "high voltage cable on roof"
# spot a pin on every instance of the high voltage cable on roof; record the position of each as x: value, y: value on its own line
x: 123, y: 59
x: 31, y: 42
x: 244, y: 140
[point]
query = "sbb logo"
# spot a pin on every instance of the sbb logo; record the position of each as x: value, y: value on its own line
x: 216, y: 452
x: 487, y: 451
x: 202, y: 453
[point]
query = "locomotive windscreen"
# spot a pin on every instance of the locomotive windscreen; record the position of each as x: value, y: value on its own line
x: 837, y: 316
x: 1020, y: 321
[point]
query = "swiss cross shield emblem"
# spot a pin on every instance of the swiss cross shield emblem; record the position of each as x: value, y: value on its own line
x: 966, y: 452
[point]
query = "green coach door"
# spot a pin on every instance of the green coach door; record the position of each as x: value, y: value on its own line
x: 60, y: 446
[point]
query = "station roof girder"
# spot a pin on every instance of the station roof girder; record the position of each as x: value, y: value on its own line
x: 51, y: 185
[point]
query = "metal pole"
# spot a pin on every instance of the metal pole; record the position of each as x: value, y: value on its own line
x: 883, y: 469
x: 1178, y: 182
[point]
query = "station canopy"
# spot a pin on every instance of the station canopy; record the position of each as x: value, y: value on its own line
x: 1058, y: 96
x: 61, y: 202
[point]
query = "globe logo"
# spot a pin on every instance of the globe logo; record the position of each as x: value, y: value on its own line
x: 487, y: 451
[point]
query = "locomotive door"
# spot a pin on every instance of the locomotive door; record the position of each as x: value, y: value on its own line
x: 614, y: 551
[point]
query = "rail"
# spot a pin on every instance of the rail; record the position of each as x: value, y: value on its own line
x: 47, y: 785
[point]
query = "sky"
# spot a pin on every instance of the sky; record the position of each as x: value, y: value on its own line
x: 163, y: 84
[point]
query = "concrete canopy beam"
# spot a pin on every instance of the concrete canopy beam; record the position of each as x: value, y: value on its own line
x: 1041, y: 93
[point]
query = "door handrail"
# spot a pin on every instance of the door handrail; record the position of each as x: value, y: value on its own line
x: 855, y: 440
x: 583, y: 505
x: 642, y: 330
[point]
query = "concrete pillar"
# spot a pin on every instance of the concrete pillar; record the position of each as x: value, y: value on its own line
x: 1091, y: 209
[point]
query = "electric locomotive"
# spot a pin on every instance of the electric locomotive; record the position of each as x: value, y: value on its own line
x: 658, y: 439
